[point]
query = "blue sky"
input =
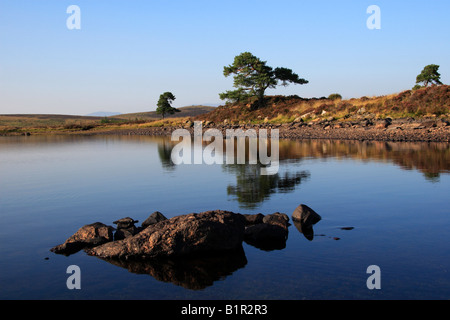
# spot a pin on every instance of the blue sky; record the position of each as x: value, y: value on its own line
x: 129, y: 52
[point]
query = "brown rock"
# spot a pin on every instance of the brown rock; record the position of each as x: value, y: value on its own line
x: 271, y: 234
x: 191, y: 234
x: 125, y: 228
x: 305, y: 215
x: 251, y: 219
x: 155, y: 217
x: 125, y: 223
x: 266, y: 236
x: 86, y: 237
x: 277, y: 218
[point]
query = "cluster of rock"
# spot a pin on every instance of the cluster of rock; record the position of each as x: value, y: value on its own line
x: 192, y: 234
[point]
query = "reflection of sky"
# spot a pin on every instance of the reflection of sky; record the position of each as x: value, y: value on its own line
x: 48, y: 191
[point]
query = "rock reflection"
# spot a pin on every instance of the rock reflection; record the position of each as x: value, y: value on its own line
x: 195, y: 273
x: 305, y: 229
x: 304, y: 218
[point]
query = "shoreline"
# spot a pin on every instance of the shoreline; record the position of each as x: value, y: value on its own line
x: 399, y: 130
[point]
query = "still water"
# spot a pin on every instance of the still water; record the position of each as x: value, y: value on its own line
x: 384, y: 204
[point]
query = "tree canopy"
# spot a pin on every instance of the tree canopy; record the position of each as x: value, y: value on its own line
x: 252, y: 77
x: 429, y: 75
x: 164, y: 104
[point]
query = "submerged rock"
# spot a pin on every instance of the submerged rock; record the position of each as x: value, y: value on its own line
x: 184, y: 235
x: 86, y: 237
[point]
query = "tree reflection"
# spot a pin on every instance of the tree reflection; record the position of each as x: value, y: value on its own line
x: 165, y: 151
x: 252, y: 188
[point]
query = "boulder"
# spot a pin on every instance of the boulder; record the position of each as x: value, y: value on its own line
x: 125, y: 223
x: 271, y: 234
x: 304, y: 219
x: 251, y: 219
x: 277, y: 218
x: 306, y: 215
x: 125, y: 228
x: 155, y: 217
x: 191, y: 234
x: 88, y: 236
x: 266, y: 236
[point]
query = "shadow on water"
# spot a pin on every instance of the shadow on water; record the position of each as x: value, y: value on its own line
x: 194, y: 273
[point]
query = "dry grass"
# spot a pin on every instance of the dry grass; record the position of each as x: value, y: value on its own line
x: 431, y: 101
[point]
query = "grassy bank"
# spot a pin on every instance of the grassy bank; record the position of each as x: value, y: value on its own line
x: 425, y: 102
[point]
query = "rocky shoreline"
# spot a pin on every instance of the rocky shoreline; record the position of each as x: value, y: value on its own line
x: 410, y: 130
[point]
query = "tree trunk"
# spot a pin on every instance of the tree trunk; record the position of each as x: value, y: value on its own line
x: 261, y: 101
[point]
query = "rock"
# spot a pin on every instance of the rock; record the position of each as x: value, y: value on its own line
x: 306, y: 215
x: 121, y: 234
x: 271, y: 234
x: 251, y: 219
x: 155, y: 217
x: 125, y: 223
x: 304, y: 218
x: 181, y: 236
x: 266, y: 236
x: 125, y: 228
x: 188, y: 124
x: 280, y: 219
x: 361, y: 110
x: 88, y: 236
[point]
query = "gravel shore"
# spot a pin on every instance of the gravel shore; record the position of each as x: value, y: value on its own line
x: 426, y: 130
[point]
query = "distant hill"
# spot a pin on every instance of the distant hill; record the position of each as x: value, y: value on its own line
x: 20, y: 121
x: 103, y: 114
x: 191, y: 111
x: 44, y: 120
